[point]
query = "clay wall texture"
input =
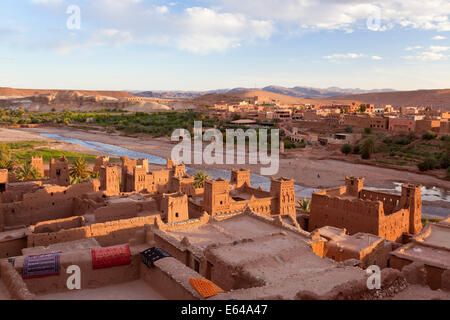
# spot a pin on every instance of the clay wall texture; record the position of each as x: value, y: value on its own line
x: 49, y: 203
x: 358, y: 210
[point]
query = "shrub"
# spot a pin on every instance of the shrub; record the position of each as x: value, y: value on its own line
x: 427, y: 164
x: 429, y: 135
x: 448, y: 173
x: 356, y: 149
x: 348, y: 129
x: 445, y: 138
x: 367, y: 130
x: 365, y: 154
x: 445, y: 160
x: 346, y: 149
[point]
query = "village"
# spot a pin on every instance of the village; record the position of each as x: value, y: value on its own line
x: 159, y: 233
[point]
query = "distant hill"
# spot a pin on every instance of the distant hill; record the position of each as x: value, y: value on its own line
x: 238, y: 96
x: 298, y: 92
x: 13, y: 92
x: 433, y: 98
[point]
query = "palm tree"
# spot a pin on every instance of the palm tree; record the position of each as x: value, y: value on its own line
x: 200, y: 179
x: 305, y: 205
x: 27, y: 172
x: 79, y: 171
x: 6, y: 164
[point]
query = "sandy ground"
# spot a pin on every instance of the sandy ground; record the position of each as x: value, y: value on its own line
x: 18, y: 135
x: 134, y: 290
x: 304, y: 166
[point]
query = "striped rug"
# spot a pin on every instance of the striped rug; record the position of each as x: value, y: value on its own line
x: 39, y: 266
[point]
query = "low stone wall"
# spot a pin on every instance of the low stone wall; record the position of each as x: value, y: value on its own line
x: 90, y: 278
x: 107, y: 234
x: 17, y: 288
x: 60, y: 224
x: 171, y: 278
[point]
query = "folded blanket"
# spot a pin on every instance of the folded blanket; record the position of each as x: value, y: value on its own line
x: 152, y: 255
x: 205, y: 287
x: 111, y: 256
x: 39, y: 266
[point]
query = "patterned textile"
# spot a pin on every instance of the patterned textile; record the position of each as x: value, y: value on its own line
x: 205, y: 287
x: 111, y: 256
x: 12, y: 261
x: 152, y: 255
x: 38, y: 266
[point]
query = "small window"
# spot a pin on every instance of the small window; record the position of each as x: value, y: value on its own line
x: 58, y: 172
x: 176, y: 215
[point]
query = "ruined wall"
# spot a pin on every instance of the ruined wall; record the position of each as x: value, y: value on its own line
x: 353, y: 215
x: 109, y: 180
x: 59, y: 172
x: 38, y: 163
x: 171, y: 278
x: 107, y: 234
x: 124, y: 210
x: 50, y: 203
x: 390, y: 201
x: 13, y: 281
x: 90, y: 278
x: 175, y: 207
x: 393, y: 226
x: 60, y: 224
x: 13, y: 247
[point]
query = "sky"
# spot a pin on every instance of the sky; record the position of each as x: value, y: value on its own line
x: 213, y: 44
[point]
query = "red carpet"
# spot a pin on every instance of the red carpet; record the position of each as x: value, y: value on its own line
x: 111, y: 256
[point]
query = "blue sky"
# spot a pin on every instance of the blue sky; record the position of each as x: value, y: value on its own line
x: 202, y: 45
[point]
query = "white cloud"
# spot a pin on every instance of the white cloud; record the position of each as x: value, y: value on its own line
x: 46, y: 1
x: 332, y: 15
x: 377, y: 58
x: 338, y: 56
x: 413, y: 48
x: 438, y: 38
x: 433, y: 53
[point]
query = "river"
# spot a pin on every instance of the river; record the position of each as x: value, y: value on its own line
x: 428, y: 194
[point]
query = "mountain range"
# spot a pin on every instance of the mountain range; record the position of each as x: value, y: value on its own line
x: 297, y: 92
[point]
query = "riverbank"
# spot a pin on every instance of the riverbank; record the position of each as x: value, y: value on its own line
x: 305, y: 167
x: 302, y: 166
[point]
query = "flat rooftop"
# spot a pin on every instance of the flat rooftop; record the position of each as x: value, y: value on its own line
x: 435, y: 235
x: 428, y: 255
x: 133, y: 290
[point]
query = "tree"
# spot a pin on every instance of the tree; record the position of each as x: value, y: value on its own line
x: 305, y: 205
x: 79, y: 171
x: 445, y: 160
x: 5, y: 152
x: 427, y: 164
x: 367, y: 130
x: 362, y: 108
x: 429, y: 135
x: 346, y: 149
x: 367, y: 148
x: 356, y: 149
x: 27, y: 172
x: 348, y: 129
x: 200, y: 179
x: 5, y: 164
